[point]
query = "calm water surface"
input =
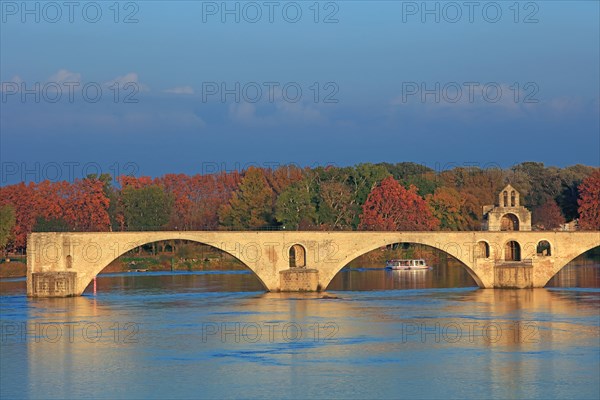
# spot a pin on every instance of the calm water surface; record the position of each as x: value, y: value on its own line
x: 421, y: 334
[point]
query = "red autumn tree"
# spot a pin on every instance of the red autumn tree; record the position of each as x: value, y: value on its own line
x: 50, y: 199
x: 86, y: 207
x: 391, y: 207
x: 180, y: 187
x: 547, y: 216
x: 215, y: 190
x: 589, y: 202
x: 23, y: 198
x: 135, y: 182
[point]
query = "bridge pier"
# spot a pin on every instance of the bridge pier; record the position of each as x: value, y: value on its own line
x: 53, y: 284
x: 515, y: 275
x: 299, y: 280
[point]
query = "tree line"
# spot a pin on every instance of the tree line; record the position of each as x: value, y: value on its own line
x: 384, y: 196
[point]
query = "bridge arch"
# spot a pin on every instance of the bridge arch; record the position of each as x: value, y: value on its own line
x: 89, y: 274
x: 451, y: 249
x: 559, y: 266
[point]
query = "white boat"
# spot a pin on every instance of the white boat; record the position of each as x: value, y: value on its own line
x: 406, y: 264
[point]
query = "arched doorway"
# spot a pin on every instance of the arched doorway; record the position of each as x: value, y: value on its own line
x: 297, y: 256
x: 509, y: 222
x: 483, y: 250
x: 543, y: 248
x: 512, y: 251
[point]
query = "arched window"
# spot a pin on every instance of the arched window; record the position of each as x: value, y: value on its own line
x: 297, y: 256
x: 512, y: 251
x: 505, y: 198
x: 512, y: 198
x: 483, y: 250
x: 509, y: 222
x: 543, y: 248
x: 69, y: 261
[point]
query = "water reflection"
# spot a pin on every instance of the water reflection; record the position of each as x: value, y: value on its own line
x: 382, y: 279
x: 219, y: 335
x: 583, y: 272
x: 186, y: 343
x: 205, y: 281
x: 579, y: 273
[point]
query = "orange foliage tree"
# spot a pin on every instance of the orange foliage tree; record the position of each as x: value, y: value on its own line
x: 251, y: 205
x: 449, y: 207
x: 589, y: 202
x: 391, y: 207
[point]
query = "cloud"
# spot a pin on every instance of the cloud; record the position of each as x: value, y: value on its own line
x: 59, y: 77
x: 275, y: 113
x: 467, y: 101
x: 127, y: 79
x: 64, y: 75
x: 565, y: 105
x: 180, y: 90
x: 243, y: 112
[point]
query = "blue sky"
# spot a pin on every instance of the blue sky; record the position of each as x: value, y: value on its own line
x: 379, y: 81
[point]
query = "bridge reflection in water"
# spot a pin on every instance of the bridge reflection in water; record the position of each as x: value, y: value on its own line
x: 536, y: 343
x: 581, y: 272
x: 143, y: 336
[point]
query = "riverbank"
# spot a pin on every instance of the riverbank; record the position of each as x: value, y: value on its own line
x: 13, y: 269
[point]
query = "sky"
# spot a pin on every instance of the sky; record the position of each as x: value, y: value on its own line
x: 155, y: 87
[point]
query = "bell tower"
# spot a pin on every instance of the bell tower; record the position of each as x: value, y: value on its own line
x: 507, y: 214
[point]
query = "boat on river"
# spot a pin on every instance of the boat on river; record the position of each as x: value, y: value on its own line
x: 407, y: 264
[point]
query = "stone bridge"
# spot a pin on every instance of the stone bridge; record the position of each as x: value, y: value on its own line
x: 63, y: 264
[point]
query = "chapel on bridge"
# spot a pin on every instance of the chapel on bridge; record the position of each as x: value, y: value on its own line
x: 507, y: 214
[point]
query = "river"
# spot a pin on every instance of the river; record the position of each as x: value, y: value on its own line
x: 428, y: 334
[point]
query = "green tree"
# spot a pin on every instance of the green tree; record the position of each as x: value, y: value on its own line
x: 334, y: 193
x: 537, y: 183
x: 251, y: 205
x: 337, y: 208
x: 43, y: 224
x: 7, y: 223
x: 294, y: 206
x: 146, y: 208
x: 365, y: 178
x: 418, y: 175
x: 571, y: 177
